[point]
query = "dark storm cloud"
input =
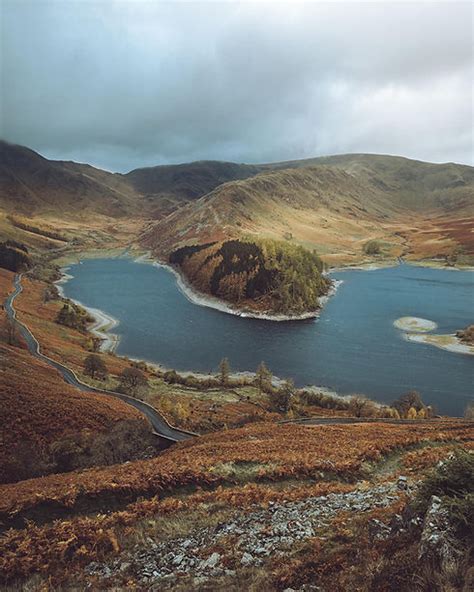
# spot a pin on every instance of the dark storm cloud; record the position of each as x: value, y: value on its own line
x: 127, y: 84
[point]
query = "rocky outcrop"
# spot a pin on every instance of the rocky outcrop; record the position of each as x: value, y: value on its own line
x: 256, y: 535
x: 438, y: 541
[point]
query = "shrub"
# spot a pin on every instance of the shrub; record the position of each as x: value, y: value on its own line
x: 360, y: 406
x: 192, y: 382
x: 410, y: 405
x: 281, y: 397
x: 453, y: 482
x: 469, y: 412
x: 372, y: 248
x: 171, y: 377
x: 323, y: 400
x: 466, y: 335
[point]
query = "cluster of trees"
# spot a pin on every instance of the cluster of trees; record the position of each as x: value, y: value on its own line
x: 411, y: 406
x: 289, y: 275
x: 14, y: 256
x: 127, y: 440
x: 48, y: 233
x: 323, y: 400
x: 50, y: 293
x: 281, y: 396
x: 74, y: 316
x: 372, y: 248
x: 177, y: 412
x: 132, y: 380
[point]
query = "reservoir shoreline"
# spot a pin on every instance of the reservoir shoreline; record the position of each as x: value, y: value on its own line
x: 161, y: 325
x: 103, y: 322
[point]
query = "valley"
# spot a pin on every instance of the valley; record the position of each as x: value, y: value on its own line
x: 317, y: 477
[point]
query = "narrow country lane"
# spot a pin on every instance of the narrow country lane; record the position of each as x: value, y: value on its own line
x: 161, y: 427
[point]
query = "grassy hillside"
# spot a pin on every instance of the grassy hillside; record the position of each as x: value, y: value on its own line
x: 53, y: 427
x: 416, y: 185
x: 189, y: 181
x: 264, y: 275
x: 335, y: 205
x: 31, y: 184
x: 310, y: 205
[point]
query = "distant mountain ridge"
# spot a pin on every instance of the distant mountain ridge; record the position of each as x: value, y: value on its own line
x: 32, y: 184
x: 330, y: 203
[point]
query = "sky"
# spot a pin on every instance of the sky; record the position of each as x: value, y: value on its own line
x: 126, y: 84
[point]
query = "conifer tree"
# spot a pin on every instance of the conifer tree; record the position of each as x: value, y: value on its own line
x: 224, y: 371
x: 263, y: 378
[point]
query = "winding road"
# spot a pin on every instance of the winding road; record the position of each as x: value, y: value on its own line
x: 160, y: 426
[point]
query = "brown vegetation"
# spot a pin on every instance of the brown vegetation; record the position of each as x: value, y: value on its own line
x: 289, y: 461
x: 50, y: 426
x: 466, y: 335
x: 273, y: 451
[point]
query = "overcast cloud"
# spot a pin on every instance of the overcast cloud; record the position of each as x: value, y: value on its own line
x: 130, y: 83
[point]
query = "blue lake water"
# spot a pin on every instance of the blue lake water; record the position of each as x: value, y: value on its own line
x: 352, y: 348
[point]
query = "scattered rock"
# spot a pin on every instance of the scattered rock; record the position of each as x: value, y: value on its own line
x: 437, y: 538
x: 213, y: 560
x: 402, y: 482
x: 378, y: 530
x: 247, y: 559
x: 257, y: 533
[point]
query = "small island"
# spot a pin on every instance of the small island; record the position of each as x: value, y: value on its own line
x: 415, y: 324
x: 256, y: 277
x: 418, y: 331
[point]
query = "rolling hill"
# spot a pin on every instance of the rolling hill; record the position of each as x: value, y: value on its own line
x: 31, y: 184
x: 334, y: 204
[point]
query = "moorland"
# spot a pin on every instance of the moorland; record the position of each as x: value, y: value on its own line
x: 283, y: 487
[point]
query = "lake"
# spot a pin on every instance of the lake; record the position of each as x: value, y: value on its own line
x: 352, y: 348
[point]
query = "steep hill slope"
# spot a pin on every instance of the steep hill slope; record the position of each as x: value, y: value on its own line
x: 31, y: 184
x: 188, y: 181
x: 416, y: 185
x: 335, y: 204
